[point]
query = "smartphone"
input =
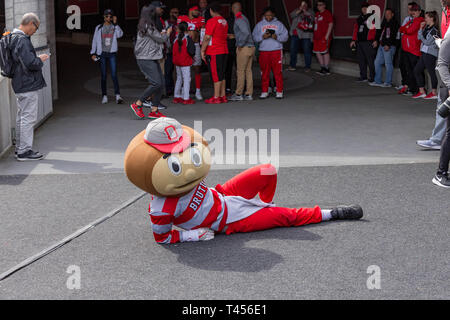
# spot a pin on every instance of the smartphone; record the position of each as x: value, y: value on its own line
x: 438, y: 41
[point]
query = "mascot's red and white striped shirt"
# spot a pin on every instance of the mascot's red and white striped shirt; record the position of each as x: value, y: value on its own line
x: 203, y: 207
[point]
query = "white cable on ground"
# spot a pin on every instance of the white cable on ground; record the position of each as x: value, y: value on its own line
x: 69, y: 238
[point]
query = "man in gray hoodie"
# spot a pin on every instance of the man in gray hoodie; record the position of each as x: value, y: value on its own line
x: 270, y: 33
x: 245, y: 50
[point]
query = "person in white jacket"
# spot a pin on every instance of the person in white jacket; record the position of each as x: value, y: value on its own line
x: 270, y: 34
x: 104, y: 50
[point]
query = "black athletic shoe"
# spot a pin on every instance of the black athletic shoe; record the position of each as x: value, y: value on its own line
x: 147, y: 104
x: 442, y: 180
x: 162, y: 107
x: 353, y: 212
x: 322, y: 72
x: 30, y: 155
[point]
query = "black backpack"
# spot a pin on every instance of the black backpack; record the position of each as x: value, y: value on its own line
x: 6, y: 57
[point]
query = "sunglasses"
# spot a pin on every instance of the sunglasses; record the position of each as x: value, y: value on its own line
x: 109, y: 17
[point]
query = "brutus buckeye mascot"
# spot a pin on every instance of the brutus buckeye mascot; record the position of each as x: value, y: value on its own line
x: 170, y: 162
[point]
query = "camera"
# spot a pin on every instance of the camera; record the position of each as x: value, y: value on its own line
x: 271, y: 31
x: 444, y: 109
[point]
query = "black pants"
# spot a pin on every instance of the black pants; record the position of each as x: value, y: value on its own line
x: 231, y: 62
x: 426, y: 61
x: 411, y: 61
x: 402, y: 66
x: 445, y: 150
x: 168, y: 74
x: 366, y: 57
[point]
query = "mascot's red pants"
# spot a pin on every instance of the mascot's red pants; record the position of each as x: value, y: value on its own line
x: 262, y: 180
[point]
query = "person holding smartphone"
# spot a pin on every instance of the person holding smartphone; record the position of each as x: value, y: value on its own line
x: 270, y: 34
x: 149, y: 50
x: 104, y: 49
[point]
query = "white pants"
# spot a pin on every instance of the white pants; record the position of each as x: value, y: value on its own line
x: 27, y: 111
x: 183, y: 84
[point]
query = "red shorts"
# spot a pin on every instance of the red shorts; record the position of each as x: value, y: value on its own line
x: 321, y: 46
x: 217, y: 65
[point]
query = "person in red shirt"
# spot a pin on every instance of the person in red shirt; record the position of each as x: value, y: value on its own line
x: 411, y: 47
x: 195, y: 24
x: 322, y: 37
x: 215, y: 52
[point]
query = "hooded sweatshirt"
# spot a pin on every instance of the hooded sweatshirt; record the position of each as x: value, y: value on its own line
x: 270, y: 44
x: 410, y: 40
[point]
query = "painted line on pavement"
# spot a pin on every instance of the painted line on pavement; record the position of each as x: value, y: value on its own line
x: 71, y: 237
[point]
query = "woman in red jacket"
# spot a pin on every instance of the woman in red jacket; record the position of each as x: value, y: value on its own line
x: 411, y: 47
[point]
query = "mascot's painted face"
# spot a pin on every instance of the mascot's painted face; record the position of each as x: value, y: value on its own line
x: 167, y: 159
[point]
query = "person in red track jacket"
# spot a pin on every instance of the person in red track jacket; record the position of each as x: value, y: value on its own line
x: 183, y: 53
x: 365, y: 41
x: 411, y: 47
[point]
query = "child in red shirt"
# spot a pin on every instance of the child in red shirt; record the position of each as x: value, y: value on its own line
x: 183, y: 54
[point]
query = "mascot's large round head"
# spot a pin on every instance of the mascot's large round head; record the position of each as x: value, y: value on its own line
x: 167, y: 159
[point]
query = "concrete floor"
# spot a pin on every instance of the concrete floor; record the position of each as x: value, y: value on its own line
x: 340, y: 142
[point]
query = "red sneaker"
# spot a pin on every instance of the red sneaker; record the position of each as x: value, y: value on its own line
x: 223, y: 99
x: 419, y: 95
x: 403, y: 90
x: 177, y: 100
x: 213, y: 100
x: 156, y: 115
x: 188, y: 101
x: 137, y: 111
x: 431, y: 96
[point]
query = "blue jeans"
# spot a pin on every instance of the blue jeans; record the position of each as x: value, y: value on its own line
x: 306, y: 45
x: 440, y: 126
x: 104, y: 59
x: 386, y: 58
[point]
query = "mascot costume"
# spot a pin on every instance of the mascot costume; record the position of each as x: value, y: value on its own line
x: 170, y: 162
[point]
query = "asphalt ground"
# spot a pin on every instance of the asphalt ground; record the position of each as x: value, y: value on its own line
x: 340, y: 142
x: 404, y: 232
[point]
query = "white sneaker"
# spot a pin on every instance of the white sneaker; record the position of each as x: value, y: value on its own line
x: 105, y: 100
x: 119, y: 99
x: 198, y: 95
x: 280, y: 95
x: 264, y: 95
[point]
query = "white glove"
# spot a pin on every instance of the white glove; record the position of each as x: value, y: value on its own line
x: 202, y: 234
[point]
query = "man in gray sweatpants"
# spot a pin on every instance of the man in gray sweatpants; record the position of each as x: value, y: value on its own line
x: 26, y: 82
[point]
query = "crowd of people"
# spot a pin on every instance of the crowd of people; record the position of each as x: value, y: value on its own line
x: 183, y: 44
x: 415, y: 41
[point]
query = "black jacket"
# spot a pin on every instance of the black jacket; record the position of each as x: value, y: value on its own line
x: 27, y: 66
x: 389, y: 33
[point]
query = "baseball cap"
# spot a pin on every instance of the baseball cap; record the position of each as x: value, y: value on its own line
x: 194, y: 8
x: 415, y: 7
x: 158, y: 4
x: 108, y: 12
x: 167, y: 136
